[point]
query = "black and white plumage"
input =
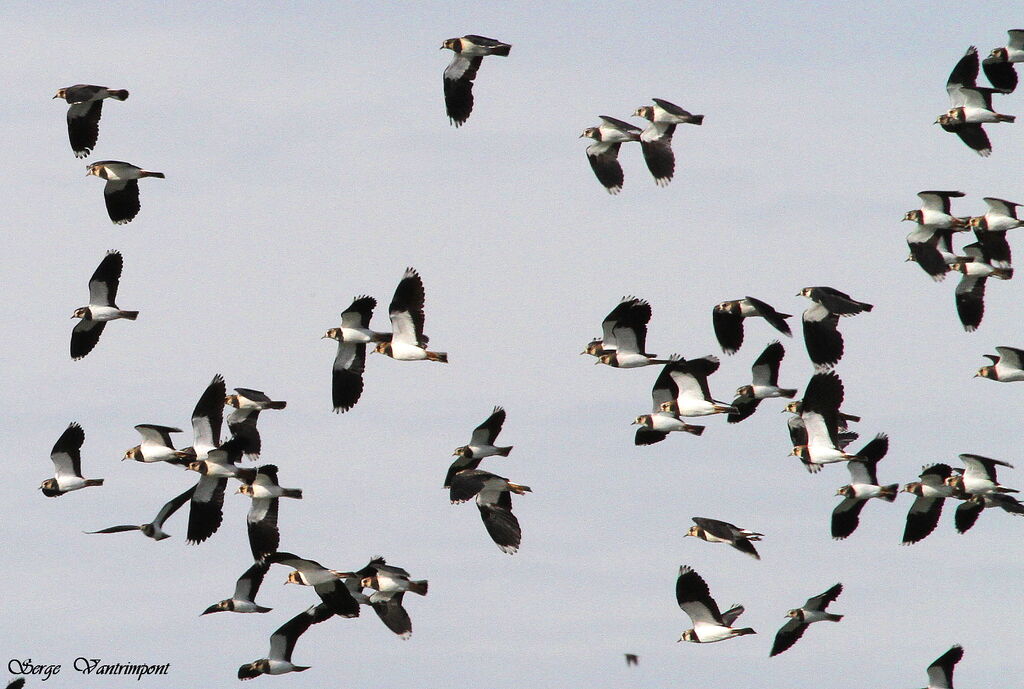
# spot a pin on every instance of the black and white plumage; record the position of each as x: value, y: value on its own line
x: 469, y: 52
x: 325, y: 582
x: 727, y: 318
x: 970, y: 291
x: 243, y: 600
x: 800, y: 618
x: 408, y: 343
x: 156, y: 445
x: 603, y: 154
x: 102, y: 307
x: 968, y: 511
x: 798, y: 432
x: 350, y: 361
x: 693, y: 396
x: 978, y: 477
x: 991, y: 229
x: 481, y: 443
x: 86, y: 108
x: 66, y: 456
x: 709, y: 625
x: 494, y: 500
x: 971, y: 105
x: 390, y: 610
x: 935, y: 223
x: 265, y: 491
x: 662, y: 420
x: 862, y: 487
x: 656, y: 139
x: 626, y: 347
x: 715, y: 531
x: 121, y: 192
x: 282, y: 645
x: 940, y: 673
x: 154, y: 529
x: 819, y: 411
x: 931, y: 492
x: 998, y: 65
x: 765, y: 383
x: 1007, y: 365
x: 206, y: 507
x: 387, y: 581
x: 821, y: 335
x: 628, y: 310
x: 248, y: 404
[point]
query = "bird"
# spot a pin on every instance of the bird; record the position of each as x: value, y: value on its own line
x: 931, y: 491
x: 494, y: 500
x: 765, y: 383
x: 350, y: 361
x: 155, y: 529
x: 656, y: 426
x: 282, y: 645
x: 156, y: 446
x: 461, y: 71
x: 388, y: 581
x: 727, y: 318
x: 991, y: 229
x: 390, y: 611
x: 715, y: 531
x: 998, y: 65
x: 632, y: 659
x: 244, y: 598
x: 821, y: 335
x: 709, y: 625
x: 86, y: 108
x: 121, y: 192
x: 968, y: 511
x: 248, y: 404
x: 629, y: 334
x: 265, y: 491
x: 971, y: 105
x: 862, y: 487
x: 603, y: 154
x: 978, y: 477
x: 935, y: 224
x: 800, y: 618
x: 693, y: 396
x: 66, y: 456
x: 16, y: 683
x: 481, y: 443
x: 819, y: 411
x: 940, y: 673
x: 206, y: 507
x: 102, y: 295
x: 798, y: 433
x: 326, y: 584
x: 629, y: 309
x: 1007, y: 365
x: 970, y: 291
x: 656, y: 139
x: 408, y: 343
x: 935, y: 211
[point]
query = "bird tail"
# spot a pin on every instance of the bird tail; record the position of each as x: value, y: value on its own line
x: 147, y: 173
x: 725, y: 408
x: 503, y: 451
x: 831, y: 617
x: 503, y: 50
x: 292, y: 493
x: 697, y: 119
x: 438, y: 356
x: 744, y: 631
x: 418, y: 587
x: 130, y: 315
x: 1006, y: 118
x: 300, y: 668
x: 889, y: 492
x: 518, y: 489
x: 1003, y: 273
x: 119, y: 94
x: 93, y: 482
x: 696, y: 430
x: 276, y: 405
x: 787, y: 393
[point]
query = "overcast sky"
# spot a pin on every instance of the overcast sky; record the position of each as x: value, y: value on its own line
x: 309, y: 160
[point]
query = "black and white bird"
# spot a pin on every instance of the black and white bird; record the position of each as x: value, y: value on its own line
x: 494, y: 500
x: 940, y: 673
x: 265, y: 492
x: 326, y: 583
x: 991, y: 229
x: 282, y: 645
x: 862, y: 487
x: 156, y: 446
x: 727, y: 318
x: 765, y: 372
x: 656, y: 426
x: 971, y: 105
x: 798, y: 432
x: 693, y: 396
x: 709, y: 625
x: 800, y: 618
x: 86, y: 107
x: 390, y: 610
x: 206, y: 508
x: 154, y: 529
x: 66, y: 456
x: 121, y: 192
x: 350, y: 361
x: 481, y: 443
x: 819, y: 411
x: 408, y: 343
x: 970, y: 291
x: 248, y: 404
x: 936, y: 211
x: 469, y: 52
x: 1007, y: 365
x: 387, y: 581
x: 968, y: 511
x: 628, y: 340
x: 628, y: 310
x: 244, y: 598
x: 603, y: 154
x: 656, y: 139
x: 821, y: 334
x: 715, y: 531
x: 102, y: 295
x: 998, y: 65
x: 978, y: 477
x: 935, y: 225
x: 931, y: 491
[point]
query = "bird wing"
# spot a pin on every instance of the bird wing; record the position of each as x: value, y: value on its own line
x: 393, y: 615
x: 604, y: 161
x: 104, y: 281
x: 656, y: 143
x: 466, y: 484
x: 282, y: 641
x: 665, y: 388
x: 821, y: 336
x: 347, y: 375
x: 156, y: 435
x: 964, y: 74
x: 501, y: 524
x: 122, y: 200
x: 208, y: 416
x: 487, y: 432
x: 206, y: 510
x: 974, y: 135
x: 84, y: 126
x: 406, y: 310
x: 694, y: 597
x: 970, y: 301
x: 787, y: 636
x: 261, y: 521
x: 846, y: 517
x: 359, y: 313
x: 84, y: 337
x: 619, y: 313
x: 458, y: 87
x: 922, y: 519
x: 938, y: 201
x: 822, y: 600
x: 766, y: 367
x: 248, y: 585
x: 940, y: 673
x: 967, y: 513
x: 1011, y: 356
x: 979, y: 467
x: 767, y: 312
x: 172, y: 506
x: 67, y: 452
x: 728, y: 329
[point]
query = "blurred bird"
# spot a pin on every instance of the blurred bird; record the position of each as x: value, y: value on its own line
x: 765, y: 373
x: 967, y: 512
x: 1007, y: 367
x: 999, y: 63
x: 715, y: 531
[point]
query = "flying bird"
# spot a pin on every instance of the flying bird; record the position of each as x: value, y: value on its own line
x: 628, y: 310
x: 629, y: 336
x: 970, y: 291
x: 481, y: 443
x: 244, y: 598
x: 350, y: 361
x: 242, y: 421
x: 656, y: 139
x: 632, y: 659
x: 121, y: 192
x: 935, y: 225
x: 390, y: 610
x: 715, y: 531
x: 408, y: 343
x: 821, y: 335
x: 862, y: 487
x: 971, y: 105
x: 156, y: 446
x: 998, y: 65
x: 931, y: 491
x: 967, y: 512
x: 86, y: 108
x: 282, y: 645
x: 389, y: 581
x: 656, y: 426
x: 765, y: 373
x: 603, y: 154
x: 1007, y: 365
x: 154, y: 529
x: 265, y: 492
x: 800, y: 618
x: 727, y: 318
x: 461, y: 71
x: 206, y: 507
x: 709, y: 625
x: 494, y: 500
x: 819, y: 411
x: 978, y: 477
x: 940, y: 673
x: 102, y: 294
x: 693, y: 396
x: 991, y: 229
x: 326, y: 583
x: 66, y: 456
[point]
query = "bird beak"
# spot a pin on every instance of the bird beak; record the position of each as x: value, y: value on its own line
x: 212, y: 608
x: 57, y: 96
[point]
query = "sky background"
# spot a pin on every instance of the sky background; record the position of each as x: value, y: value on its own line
x: 309, y: 160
